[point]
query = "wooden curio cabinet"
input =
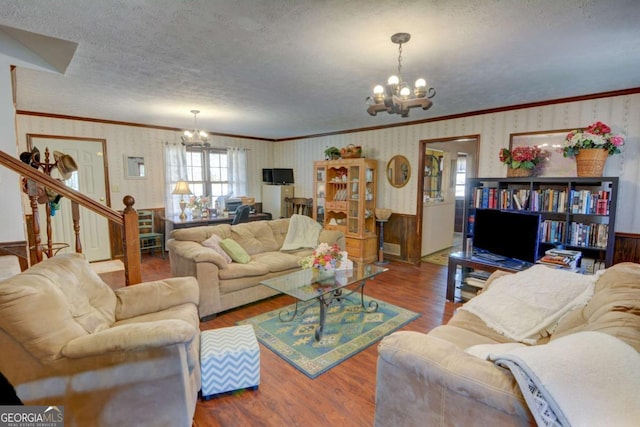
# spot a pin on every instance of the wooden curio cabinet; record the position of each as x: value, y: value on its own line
x: 345, y: 199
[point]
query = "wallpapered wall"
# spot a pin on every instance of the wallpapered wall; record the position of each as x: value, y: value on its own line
x: 622, y: 113
x: 140, y: 141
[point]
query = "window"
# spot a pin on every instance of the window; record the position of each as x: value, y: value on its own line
x: 461, y: 174
x: 207, y: 171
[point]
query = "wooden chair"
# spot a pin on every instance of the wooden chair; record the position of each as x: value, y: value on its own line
x: 241, y: 215
x: 149, y: 239
x: 298, y: 205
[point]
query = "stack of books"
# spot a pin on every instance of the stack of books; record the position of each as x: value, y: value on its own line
x: 561, y: 258
x: 473, y: 283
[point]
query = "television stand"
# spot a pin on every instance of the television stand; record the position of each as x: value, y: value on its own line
x: 458, y: 259
x: 487, y: 256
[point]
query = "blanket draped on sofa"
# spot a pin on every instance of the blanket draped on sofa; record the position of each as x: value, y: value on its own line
x: 303, y: 233
x: 525, y: 305
x: 564, y: 388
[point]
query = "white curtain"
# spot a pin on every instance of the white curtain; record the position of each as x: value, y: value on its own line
x: 237, y: 158
x: 175, y: 169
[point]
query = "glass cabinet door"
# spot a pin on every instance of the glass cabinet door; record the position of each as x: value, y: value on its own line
x: 369, y: 201
x: 355, y: 200
x: 321, y: 188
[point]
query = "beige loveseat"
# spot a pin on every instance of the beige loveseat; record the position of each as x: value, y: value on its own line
x: 226, y: 285
x: 429, y: 379
x: 123, y: 358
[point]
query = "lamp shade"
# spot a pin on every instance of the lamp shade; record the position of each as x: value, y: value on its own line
x: 182, y: 187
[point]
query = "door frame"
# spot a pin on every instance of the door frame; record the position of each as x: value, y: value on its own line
x: 103, y: 142
x: 420, y: 177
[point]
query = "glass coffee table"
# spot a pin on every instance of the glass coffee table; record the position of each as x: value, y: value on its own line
x: 308, y: 285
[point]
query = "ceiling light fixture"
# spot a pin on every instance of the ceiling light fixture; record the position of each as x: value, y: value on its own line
x: 396, y: 97
x: 195, y: 137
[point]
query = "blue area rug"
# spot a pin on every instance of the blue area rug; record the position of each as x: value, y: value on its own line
x: 348, y: 330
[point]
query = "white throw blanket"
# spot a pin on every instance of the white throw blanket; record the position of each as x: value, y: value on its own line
x: 303, y: 232
x: 524, y: 305
x: 583, y: 379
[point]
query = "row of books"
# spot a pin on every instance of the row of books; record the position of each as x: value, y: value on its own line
x: 587, y: 202
x: 552, y: 231
x: 549, y: 199
x: 592, y: 235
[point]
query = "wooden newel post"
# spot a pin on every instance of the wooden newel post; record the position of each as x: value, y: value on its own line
x: 131, y: 242
x: 32, y: 191
x: 75, y: 216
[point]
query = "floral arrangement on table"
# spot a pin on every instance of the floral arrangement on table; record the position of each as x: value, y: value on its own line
x: 598, y: 135
x: 200, y: 202
x: 522, y: 157
x: 324, y: 258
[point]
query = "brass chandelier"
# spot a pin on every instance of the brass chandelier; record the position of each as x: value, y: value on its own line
x: 397, y: 97
x: 196, y: 137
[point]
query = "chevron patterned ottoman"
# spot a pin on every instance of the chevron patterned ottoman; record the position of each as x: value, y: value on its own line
x: 229, y: 360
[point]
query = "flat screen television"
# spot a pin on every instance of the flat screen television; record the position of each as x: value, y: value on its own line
x: 510, y: 234
x: 267, y: 176
x: 282, y: 176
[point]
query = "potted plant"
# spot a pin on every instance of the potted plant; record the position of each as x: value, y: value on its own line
x: 332, y: 153
x: 591, y: 147
x: 521, y: 160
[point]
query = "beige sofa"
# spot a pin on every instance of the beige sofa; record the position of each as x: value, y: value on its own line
x: 129, y: 357
x: 428, y: 379
x: 227, y: 285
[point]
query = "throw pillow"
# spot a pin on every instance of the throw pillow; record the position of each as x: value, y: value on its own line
x: 235, y: 251
x: 213, y: 242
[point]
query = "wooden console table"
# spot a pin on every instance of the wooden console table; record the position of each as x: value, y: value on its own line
x: 459, y: 259
x: 188, y: 223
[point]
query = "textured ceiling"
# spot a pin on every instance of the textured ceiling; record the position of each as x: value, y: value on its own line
x: 281, y: 68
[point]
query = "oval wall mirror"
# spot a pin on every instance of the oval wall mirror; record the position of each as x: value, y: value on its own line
x: 398, y: 171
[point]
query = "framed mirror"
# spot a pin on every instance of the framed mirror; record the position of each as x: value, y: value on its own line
x: 134, y: 167
x: 398, y: 171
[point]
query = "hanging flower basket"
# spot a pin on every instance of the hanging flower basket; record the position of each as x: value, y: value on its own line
x: 518, y: 172
x: 590, y: 161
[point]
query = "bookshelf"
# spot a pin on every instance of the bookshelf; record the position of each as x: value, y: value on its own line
x: 577, y: 213
x: 345, y: 200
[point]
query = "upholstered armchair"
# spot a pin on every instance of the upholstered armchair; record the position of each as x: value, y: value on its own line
x: 129, y: 357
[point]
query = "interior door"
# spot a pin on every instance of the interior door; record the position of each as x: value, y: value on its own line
x: 89, y: 179
x: 438, y: 216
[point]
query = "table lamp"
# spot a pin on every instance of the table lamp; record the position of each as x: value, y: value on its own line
x: 182, y: 188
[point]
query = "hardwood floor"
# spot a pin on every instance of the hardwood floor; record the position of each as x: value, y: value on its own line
x: 343, y: 396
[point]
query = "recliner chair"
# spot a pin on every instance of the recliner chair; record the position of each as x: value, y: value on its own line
x: 111, y: 358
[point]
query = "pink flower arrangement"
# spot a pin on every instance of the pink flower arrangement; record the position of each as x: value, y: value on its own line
x: 324, y: 258
x: 522, y: 157
x: 198, y: 202
x: 598, y: 135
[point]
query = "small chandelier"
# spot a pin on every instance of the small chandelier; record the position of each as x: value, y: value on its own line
x: 396, y: 97
x: 195, y: 137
